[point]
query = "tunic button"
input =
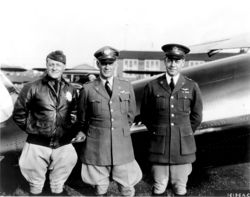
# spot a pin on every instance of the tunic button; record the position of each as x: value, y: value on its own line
x: 112, y: 119
x: 172, y: 106
x: 172, y: 124
x: 172, y: 97
x: 112, y: 128
x: 110, y: 102
x: 111, y: 110
x: 172, y: 115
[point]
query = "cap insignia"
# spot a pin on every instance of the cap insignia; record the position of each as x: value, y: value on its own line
x: 107, y: 51
x: 176, y: 50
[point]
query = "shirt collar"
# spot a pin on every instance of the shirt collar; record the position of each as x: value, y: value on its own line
x: 176, y: 77
x: 110, y: 80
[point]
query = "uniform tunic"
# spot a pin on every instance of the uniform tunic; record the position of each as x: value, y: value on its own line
x: 171, y: 118
x: 106, y: 122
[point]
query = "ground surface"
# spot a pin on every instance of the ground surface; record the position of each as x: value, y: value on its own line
x: 222, y: 168
x: 206, y: 182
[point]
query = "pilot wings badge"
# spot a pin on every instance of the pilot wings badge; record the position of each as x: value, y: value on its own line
x: 124, y: 92
x: 185, y: 90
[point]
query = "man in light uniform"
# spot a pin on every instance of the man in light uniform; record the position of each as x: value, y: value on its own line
x: 106, y: 112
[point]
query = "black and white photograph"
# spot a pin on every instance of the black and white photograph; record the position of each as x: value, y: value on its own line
x: 125, y: 98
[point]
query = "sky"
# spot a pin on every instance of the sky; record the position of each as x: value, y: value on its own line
x: 31, y: 29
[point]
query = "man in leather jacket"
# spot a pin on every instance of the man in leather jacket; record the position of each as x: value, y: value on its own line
x: 44, y: 110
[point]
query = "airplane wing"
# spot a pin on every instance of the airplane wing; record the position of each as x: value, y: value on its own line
x: 236, y: 42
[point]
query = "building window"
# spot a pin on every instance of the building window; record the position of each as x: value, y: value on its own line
x: 151, y: 64
x: 130, y: 64
x: 125, y: 62
x: 194, y: 63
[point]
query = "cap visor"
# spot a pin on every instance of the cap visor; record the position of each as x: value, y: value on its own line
x: 175, y: 57
x: 107, y: 61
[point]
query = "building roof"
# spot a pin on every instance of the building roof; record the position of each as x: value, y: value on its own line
x: 141, y: 55
x: 83, y: 67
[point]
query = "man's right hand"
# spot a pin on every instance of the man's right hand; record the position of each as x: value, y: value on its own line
x: 80, y: 137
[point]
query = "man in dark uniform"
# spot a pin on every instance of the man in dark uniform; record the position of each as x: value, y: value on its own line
x: 172, y: 110
x: 106, y: 111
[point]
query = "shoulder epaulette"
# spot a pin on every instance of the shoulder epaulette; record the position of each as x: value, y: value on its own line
x: 88, y: 83
x: 123, y: 79
x: 188, y: 78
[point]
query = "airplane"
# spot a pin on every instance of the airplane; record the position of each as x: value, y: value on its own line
x: 224, y: 135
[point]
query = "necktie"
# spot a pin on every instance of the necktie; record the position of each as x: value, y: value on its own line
x: 108, y: 89
x: 172, y: 84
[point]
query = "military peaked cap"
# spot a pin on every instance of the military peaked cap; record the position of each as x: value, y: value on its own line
x: 175, y: 51
x: 106, y: 54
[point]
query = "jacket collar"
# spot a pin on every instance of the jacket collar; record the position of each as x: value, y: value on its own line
x: 163, y: 82
x: 99, y: 87
x: 47, y: 79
